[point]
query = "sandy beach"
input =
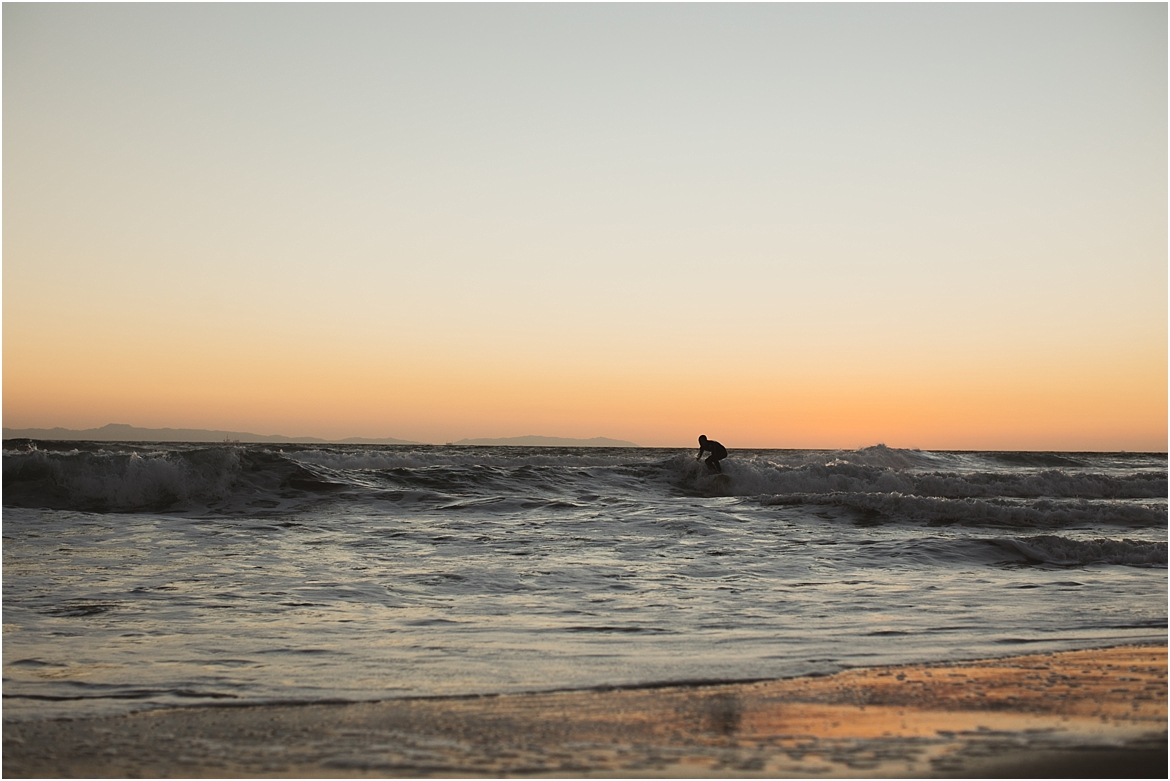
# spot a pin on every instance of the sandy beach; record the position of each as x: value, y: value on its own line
x: 1091, y: 713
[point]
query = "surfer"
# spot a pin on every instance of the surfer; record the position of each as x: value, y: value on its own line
x: 718, y: 453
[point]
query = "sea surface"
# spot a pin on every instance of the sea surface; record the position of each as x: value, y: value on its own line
x: 158, y: 575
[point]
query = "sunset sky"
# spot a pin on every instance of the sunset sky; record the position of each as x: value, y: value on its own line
x: 778, y: 225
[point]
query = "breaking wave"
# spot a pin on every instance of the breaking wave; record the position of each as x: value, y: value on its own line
x: 884, y: 485
x: 117, y: 480
x: 141, y: 479
x: 835, y: 475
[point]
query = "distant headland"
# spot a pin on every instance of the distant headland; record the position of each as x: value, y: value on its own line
x: 122, y: 432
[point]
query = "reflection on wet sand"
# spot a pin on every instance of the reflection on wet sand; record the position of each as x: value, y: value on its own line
x: 1097, y: 713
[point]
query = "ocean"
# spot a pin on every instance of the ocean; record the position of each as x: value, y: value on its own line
x: 149, y: 575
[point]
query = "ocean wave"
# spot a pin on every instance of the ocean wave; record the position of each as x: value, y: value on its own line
x: 916, y: 486
x: 951, y: 550
x: 419, y: 458
x: 101, y: 480
x: 762, y: 476
x: 1065, y: 552
x: 139, y: 479
x: 984, y: 512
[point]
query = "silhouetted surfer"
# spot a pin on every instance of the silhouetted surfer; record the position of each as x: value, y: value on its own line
x: 718, y: 453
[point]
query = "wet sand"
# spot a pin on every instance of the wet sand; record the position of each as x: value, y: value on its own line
x: 1097, y: 713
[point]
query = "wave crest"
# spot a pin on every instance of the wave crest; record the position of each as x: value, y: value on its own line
x: 104, y: 480
x: 870, y: 471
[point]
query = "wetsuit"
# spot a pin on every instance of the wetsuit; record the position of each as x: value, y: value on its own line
x: 718, y: 453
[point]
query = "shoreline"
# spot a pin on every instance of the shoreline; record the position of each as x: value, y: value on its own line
x: 1098, y: 712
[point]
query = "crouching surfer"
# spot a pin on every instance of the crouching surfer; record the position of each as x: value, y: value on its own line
x: 718, y: 453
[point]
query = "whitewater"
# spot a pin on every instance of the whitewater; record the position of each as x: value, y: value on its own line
x: 140, y: 576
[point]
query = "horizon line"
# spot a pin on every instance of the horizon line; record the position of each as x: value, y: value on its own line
x: 13, y: 433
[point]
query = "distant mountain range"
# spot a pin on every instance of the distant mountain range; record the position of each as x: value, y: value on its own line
x: 549, y: 442
x: 120, y: 432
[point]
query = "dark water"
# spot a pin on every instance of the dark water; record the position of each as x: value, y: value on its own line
x: 157, y: 575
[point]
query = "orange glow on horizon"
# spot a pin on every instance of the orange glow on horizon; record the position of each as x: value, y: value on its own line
x: 316, y: 393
